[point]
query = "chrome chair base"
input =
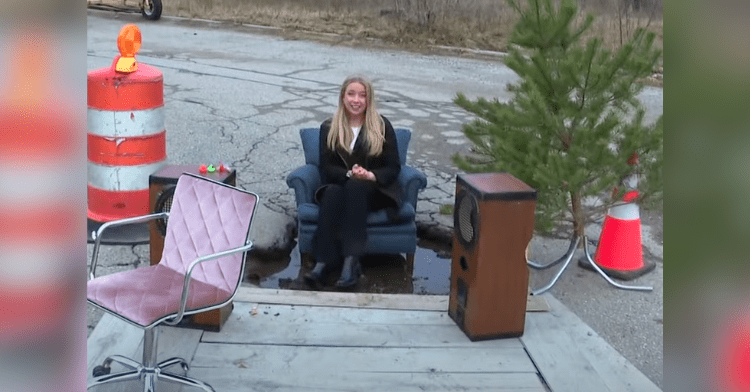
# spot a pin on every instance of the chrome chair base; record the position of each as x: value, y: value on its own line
x: 149, y: 371
x: 151, y: 376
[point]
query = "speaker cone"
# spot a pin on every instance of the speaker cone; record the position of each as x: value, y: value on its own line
x: 164, y: 204
x: 465, y: 218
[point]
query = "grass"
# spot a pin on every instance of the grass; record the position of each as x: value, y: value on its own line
x: 411, y: 24
x: 474, y: 24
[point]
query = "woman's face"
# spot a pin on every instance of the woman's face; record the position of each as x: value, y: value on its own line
x: 355, y: 99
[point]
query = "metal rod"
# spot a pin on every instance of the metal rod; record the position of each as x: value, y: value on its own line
x: 97, y: 235
x: 124, y: 361
x: 186, y: 381
x: 149, y: 381
x: 568, y: 256
x: 571, y: 249
x: 150, y: 346
x: 186, y: 283
x: 173, y: 361
x: 130, y: 375
x: 606, y: 277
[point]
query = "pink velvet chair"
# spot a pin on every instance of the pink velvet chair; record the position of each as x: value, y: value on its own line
x: 201, y: 268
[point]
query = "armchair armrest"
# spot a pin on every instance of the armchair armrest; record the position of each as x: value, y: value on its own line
x: 305, y: 180
x: 189, y: 273
x: 412, y: 181
x: 97, y: 235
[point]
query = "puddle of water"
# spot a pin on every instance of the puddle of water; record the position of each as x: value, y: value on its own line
x: 381, y: 273
x: 432, y: 272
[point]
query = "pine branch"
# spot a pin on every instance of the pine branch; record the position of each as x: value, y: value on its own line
x: 587, y: 78
x: 565, y: 113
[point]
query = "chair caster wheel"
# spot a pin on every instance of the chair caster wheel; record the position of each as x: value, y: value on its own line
x: 100, y: 370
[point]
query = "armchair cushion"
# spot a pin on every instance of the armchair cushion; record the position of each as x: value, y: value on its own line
x: 308, y: 212
x: 384, y: 235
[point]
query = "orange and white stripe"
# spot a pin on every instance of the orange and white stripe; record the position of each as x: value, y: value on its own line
x: 126, y: 140
x: 38, y: 214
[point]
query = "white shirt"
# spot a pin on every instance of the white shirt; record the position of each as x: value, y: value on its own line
x: 356, y: 133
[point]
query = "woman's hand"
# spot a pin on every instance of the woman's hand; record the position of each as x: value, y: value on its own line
x: 362, y: 173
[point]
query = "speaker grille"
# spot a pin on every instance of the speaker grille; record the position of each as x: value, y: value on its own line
x: 466, y: 218
x: 164, y: 204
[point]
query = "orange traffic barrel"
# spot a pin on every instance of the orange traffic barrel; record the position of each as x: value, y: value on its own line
x: 126, y: 134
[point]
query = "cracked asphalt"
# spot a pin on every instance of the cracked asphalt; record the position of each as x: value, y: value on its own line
x: 238, y: 95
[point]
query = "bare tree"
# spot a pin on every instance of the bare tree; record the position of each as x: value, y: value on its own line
x: 425, y: 14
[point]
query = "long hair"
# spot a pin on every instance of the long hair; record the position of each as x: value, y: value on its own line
x: 341, y: 134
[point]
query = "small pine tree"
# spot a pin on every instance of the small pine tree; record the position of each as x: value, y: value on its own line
x: 573, y: 120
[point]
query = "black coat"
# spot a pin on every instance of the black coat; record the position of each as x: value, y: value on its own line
x: 386, y: 166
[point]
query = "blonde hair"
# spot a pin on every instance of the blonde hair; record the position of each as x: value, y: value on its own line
x: 341, y: 135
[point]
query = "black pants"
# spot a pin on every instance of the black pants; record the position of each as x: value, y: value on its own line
x: 342, y: 220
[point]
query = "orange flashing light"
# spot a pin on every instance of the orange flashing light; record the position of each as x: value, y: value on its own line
x: 128, y: 42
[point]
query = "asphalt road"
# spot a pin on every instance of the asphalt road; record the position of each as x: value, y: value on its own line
x: 239, y: 94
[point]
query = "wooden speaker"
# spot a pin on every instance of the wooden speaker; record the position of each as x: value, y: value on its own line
x: 161, y: 189
x: 493, y: 224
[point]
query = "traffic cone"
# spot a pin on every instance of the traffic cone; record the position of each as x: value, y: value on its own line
x: 619, y: 252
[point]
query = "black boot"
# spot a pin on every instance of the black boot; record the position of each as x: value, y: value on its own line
x: 350, y: 272
x: 317, y: 275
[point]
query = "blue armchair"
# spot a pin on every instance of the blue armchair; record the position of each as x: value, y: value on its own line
x: 384, y: 236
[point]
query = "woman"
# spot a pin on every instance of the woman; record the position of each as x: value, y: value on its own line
x: 359, y: 166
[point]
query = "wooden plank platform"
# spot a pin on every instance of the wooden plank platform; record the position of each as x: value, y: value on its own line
x: 285, y: 340
x: 572, y: 357
x: 362, y: 300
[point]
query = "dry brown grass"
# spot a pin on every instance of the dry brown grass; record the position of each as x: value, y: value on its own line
x: 414, y: 24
